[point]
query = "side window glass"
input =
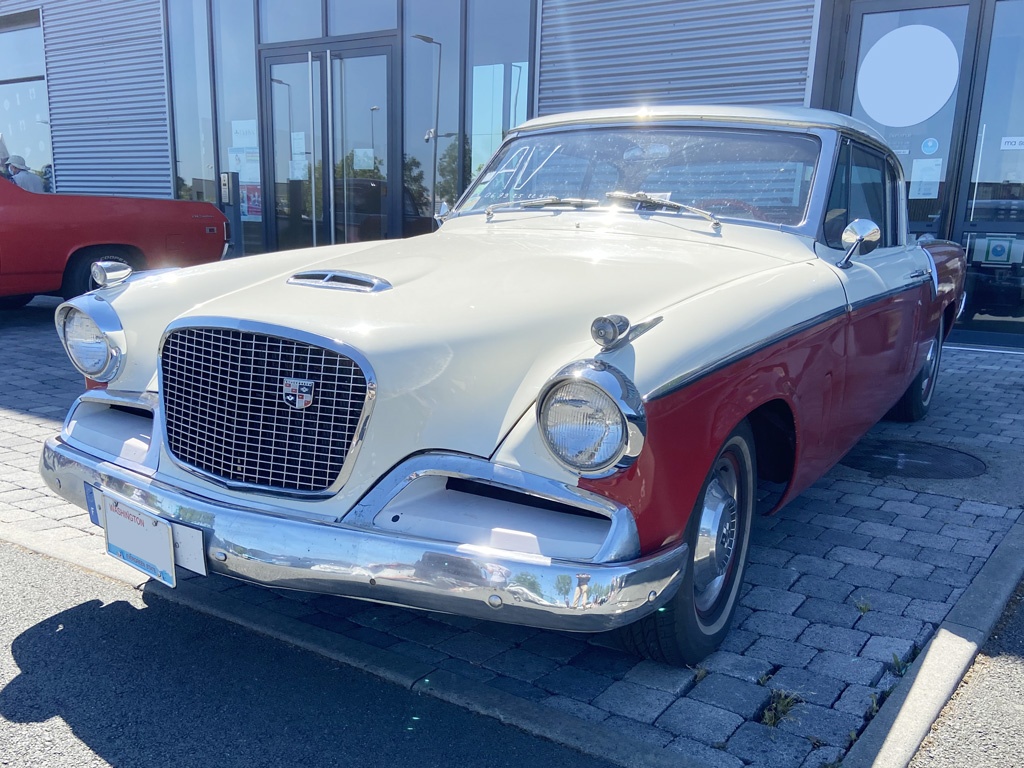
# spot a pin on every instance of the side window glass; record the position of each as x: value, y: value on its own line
x: 868, y: 196
x: 837, y: 210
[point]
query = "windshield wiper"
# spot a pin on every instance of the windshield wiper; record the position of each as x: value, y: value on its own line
x: 654, y: 202
x: 541, y: 202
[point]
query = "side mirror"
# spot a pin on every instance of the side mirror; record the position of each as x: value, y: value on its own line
x: 860, y: 238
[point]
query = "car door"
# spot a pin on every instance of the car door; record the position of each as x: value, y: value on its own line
x: 886, y: 289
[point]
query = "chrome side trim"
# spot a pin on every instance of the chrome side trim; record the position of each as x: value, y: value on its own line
x: 622, y: 543
x: 249, y: 326
x: 686, y: 379
x: 866, y: 302
x: 341, y: 281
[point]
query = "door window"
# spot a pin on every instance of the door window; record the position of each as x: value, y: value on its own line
x: 862, y: 188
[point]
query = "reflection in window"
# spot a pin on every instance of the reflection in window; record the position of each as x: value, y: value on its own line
x: 282, y: 20
x: 234, y: 42
x: 24, y: 110
x: 193, y: 121
x: 350, y: 17
x: 499, y: 49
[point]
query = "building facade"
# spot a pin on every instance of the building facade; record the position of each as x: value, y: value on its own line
x: 324, y: 121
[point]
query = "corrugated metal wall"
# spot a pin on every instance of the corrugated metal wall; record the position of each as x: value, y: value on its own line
x: 614, y: 53
x: 107, y: 85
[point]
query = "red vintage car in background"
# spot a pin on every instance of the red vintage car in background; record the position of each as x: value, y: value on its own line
x: 48, y: 243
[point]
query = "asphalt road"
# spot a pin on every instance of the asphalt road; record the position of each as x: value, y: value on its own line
x: 982, y: 726
x: 95, y: 673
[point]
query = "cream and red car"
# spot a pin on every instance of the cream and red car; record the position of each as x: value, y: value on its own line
x: 48, y: 243
x: 555, y: 410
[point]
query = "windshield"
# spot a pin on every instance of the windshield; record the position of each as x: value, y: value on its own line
x: 761, y: 175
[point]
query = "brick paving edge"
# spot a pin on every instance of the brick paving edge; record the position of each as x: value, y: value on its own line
x: 536, y: 719
x: 893, y: 736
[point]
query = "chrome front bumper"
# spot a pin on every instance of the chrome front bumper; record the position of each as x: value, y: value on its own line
x: 339, y: 559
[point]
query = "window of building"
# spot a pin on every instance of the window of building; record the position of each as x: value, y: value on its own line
x: 24, y: 108
x: 194, y: 139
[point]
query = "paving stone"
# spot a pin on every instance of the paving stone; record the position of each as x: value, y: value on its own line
x: 901, y: 566
x: 768, y: 555
x: 967, y: 533
x: 829, y: 638
x: 974, y: 548
x: 886, y: 624
x: 521, y: 665
x: 575, y: 683
x: 853, y: 556
x: 770, y: 599
x: 895, y: 548
x: 738, y: 696
x: 808, y: 686
x: 885, y: 649
x: 953, y: 517
x: 699, y: 721
x: 874, y: 600
x: 925, y: 524
x: 517, y: 635
x: 605, y: 661
x: 467, y: 670
x: 951, y: 578
x: 815, y: 566
x: 576, y: 708
x: 853, y: 486
x: 893, y: 494
x: 770, y: 576
x: 981, y: 508
x: 859, y: 576
x: 757, y: 743
x: 662, y: 677
x: 637, y: 702
x: 518, y: 688
x: 425, y: 631
x: 783, y: 653
x: 419, y: 652
x: 822, y: 725
x: 850, y: 669
x: 774, y: 624
x: 556, y: 646
x: 837, y: 522
x: 472, y: 647
x: 801, y: 546
x: 825, y: 589
x: 642, y: 732
x: 824, y: 757
x: 860, y: 700
x: 802, y: 529
x: 738, y: 640
x: 704, y: 755
x: 844, y: 538
x: 864, y: 501
x: 927, y: 610
x: 923, y: 589
x: 828, y: 612
x: 930, y: 540
x: 734, y: 665
x: 372, y: 637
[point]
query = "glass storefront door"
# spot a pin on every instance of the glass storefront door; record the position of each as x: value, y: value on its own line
x: 991, y: 212
x: 329, y: 169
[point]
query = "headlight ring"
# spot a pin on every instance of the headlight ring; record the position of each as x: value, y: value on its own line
x: 92, y: 337
x: 591, y: 418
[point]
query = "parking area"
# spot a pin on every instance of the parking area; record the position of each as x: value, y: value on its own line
x: 845, y: 586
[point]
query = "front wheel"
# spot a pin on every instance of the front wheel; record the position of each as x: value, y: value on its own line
x: 915, y: 402
x: 694, y: 622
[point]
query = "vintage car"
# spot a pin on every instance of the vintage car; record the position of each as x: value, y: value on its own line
x: 554, y: 411
x: 48, y: 243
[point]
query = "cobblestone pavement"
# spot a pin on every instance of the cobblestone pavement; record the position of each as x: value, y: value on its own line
x: 844, y: 587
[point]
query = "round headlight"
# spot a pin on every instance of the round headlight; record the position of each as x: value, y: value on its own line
x: 87, y: 346
x: 583, y: 425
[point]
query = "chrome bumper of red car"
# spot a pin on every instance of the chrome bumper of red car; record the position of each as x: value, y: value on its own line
x: 332, y: 558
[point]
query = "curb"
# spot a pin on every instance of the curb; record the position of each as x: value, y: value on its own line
x: 894, y: 735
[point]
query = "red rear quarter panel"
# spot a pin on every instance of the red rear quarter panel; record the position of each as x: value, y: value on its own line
x: 951, y: 263
x: 40, y: 232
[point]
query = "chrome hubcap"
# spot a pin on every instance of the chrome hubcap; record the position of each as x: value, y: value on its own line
x: 716, y: 537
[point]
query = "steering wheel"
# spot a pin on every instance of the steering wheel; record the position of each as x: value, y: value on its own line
x: 752, y: 211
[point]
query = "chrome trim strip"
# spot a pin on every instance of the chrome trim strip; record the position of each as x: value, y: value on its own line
x: 686, y: 379
x: 340, y: 280
x: 249, y: 326
x: 405, y: 571
x: 874, y: 299
x: 623, y: 391
x: 622, y: 543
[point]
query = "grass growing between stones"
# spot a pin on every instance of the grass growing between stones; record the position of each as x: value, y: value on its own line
x: 779, y: 707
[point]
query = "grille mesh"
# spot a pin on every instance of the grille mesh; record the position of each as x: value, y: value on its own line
x: 225, y: 413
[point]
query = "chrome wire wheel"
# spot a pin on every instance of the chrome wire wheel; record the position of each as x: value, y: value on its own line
x: 715, y: 548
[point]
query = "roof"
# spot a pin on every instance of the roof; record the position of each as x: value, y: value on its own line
x: 801, y: 117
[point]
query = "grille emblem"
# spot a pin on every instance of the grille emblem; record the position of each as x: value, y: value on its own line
x: 298, y: 393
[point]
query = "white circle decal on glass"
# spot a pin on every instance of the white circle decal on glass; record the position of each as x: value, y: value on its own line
x: 908, y: 76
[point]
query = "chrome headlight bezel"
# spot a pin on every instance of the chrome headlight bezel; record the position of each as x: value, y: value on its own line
x: 613, y: 384
x: 102, y: 315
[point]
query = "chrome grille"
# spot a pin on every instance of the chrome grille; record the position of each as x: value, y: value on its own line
x: 225, y: 412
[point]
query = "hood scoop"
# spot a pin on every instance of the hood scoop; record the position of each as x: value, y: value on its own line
x: 341, y: 281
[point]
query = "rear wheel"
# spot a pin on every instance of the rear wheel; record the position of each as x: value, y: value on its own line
x: 78, y: 274
x: 694, y: 622
x: 15, y: 302
x: 915, y: 402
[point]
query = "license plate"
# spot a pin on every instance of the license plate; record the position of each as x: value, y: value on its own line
x: 139, y: 539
